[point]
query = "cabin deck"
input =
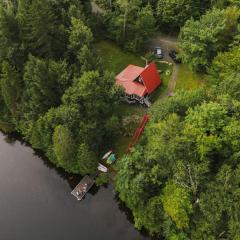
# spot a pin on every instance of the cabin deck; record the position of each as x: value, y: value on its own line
x: 83, y: 187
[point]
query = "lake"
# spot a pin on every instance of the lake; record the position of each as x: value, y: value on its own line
x: 36, y: 204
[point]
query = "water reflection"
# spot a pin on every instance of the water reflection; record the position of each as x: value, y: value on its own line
x: 44, y: 207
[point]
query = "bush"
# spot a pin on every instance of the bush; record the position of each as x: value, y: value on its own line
x: 102, y: 179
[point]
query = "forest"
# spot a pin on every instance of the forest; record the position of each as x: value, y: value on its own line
x: 181, y: 181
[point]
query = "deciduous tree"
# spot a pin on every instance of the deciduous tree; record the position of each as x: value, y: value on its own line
x: 200, y: 47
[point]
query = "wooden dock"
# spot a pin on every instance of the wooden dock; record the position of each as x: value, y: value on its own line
x: 83, y: 187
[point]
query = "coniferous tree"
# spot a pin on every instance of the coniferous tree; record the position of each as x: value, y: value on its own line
x: 43, y: 33
x: 64, y: 146
x: 11, y: 49
x: 11, y: 87
x: 42, y: 89
x: 86, y: 160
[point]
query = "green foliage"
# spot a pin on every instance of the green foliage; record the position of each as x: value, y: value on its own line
x: 225, y: 64
x: 11, y: 87
x: 128, y: 6
x: 80, y: 35
x: 144, y: 29
x: 42, y: 89
x: 235, y: 2
x: 43, y: 128
x: 85, y: 114
x: 224, y: 73
x: 208, y: 118
x: 152, y: 217
x: 177, y: 204
x: 47, y: 91
x: 42, y: 30
x: 218, y: 28
x: 63, y: 145
x: 86, y: 160
x: 175, y: 13
x: 219, y: 206
x: 182, y: 180
x: 102, y: 179
x: 179, y: 104
x: 224, y: 3
x: 130, y: 25
x: 179, y: 158
x: 80, y: 47
x: 11, y: 49
x: 87, y: 60
x: 92, y: 93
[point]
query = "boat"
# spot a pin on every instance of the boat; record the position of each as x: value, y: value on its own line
x: 102, y: 168
x: 106, y: 155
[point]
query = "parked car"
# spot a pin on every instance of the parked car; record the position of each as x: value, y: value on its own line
x: 158, y: 51
x: 173, y: 54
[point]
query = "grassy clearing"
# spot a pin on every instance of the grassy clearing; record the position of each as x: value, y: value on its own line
x: 131, y: 116
x: 114, y: 58
x: 188, y: 80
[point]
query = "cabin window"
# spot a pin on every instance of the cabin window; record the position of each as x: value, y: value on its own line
x: 139, y: 80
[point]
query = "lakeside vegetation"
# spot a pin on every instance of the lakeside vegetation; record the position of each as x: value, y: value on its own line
x: 57, y: 89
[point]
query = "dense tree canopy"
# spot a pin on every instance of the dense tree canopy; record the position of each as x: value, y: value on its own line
x: 224, y: 73
x: 63, y: 145
x: 175, y: 13
x: 130, y: 23
x: 11, y: 87
x: 202, y: 39
x: 48, y: 89
x: 178, y: 160
x: 181, y: 180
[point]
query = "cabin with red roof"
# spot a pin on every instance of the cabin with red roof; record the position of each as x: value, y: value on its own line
x: 138, y: 83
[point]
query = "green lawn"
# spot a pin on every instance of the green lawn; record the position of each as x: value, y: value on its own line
x: 114, y: 58
x: 131, y: 117
x: 187, y: 79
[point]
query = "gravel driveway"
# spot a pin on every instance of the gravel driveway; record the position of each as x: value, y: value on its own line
x: 167, y: 43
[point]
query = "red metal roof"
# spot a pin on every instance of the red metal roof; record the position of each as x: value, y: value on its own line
x: 128, y: 79
x: 151, y: 77
x: 130, y: 73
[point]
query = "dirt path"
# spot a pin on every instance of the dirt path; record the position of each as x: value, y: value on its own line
x: 172, y: 83
x: 167, y: 43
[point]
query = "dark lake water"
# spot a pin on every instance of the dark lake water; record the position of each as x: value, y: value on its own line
x: 36, y: 204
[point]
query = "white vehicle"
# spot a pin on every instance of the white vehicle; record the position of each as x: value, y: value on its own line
x: 158, y: 52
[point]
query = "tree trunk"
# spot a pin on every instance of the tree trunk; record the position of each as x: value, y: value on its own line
x: 8, y: 3
x: 124, y: 24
